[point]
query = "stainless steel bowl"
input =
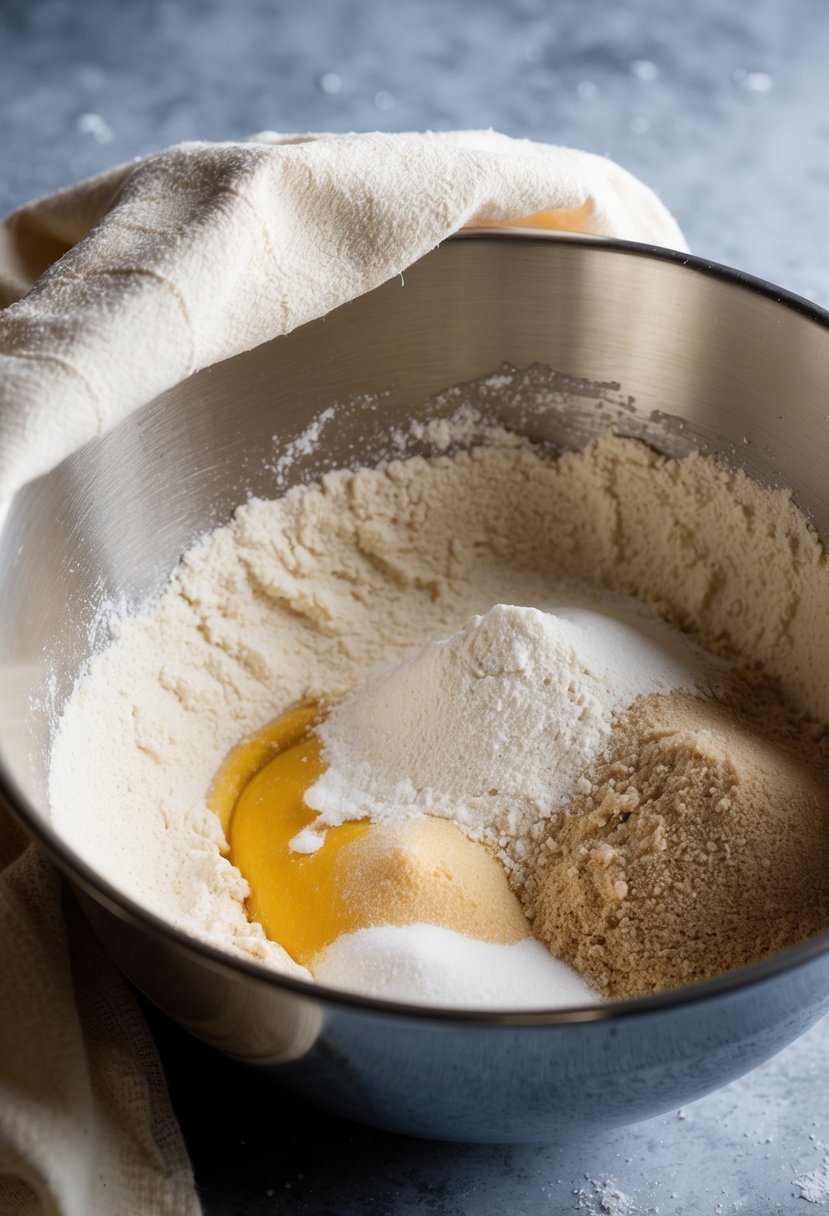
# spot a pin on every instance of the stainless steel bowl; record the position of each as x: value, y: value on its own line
x: 659, y: 344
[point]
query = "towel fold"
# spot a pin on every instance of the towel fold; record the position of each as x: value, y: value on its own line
x: 112, y: 291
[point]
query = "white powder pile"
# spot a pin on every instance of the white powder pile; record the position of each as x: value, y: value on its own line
x: 814, y: 1186
x: 305, y: 595
x: 431, y: 965
x: 493, y: 726
x: 605, y: 1199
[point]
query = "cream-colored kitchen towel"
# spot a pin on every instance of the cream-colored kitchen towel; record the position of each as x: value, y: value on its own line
x: 86, y: 1127
x: 124, y: 285
x: 206, y: 250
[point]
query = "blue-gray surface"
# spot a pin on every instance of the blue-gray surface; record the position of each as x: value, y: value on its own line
x: 722, y: 106
x: 724, y: 109
x: 752, y: 1147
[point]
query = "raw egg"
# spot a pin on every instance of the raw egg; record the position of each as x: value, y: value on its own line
x: 419, y: 869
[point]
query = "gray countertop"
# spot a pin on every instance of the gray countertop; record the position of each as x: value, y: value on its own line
x: 723, y: 108
x: 754, y: 1147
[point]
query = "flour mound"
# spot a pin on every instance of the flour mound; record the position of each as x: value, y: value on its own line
x: 490, y: 727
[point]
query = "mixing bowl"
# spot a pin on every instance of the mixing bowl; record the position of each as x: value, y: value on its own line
x: 586, y: 333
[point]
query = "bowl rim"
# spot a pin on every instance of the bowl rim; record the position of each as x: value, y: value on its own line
x: 124, y: 907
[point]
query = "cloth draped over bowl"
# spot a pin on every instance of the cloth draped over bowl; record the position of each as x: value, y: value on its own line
x: 112, y: 291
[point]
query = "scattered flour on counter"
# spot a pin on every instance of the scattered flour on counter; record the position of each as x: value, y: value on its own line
x: 814, y: 1186
x: 604, y: 1199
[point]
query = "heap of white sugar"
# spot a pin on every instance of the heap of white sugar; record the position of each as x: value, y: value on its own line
x: 494, y: 726
x: 430, y: 965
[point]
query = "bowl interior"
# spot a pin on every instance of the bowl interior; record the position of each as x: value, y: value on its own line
x: 554, y: 337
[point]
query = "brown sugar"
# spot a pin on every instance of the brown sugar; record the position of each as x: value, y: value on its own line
x: 702, y: 845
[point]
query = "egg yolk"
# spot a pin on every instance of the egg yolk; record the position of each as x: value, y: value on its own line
x: 562, y: 219
x: 253, y: 753
x: 259, y: 796
x: 364, y: 873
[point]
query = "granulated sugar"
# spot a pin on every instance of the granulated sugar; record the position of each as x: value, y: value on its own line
x: 430, y: 965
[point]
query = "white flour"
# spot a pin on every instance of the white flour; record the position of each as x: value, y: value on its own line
x: 493, y: 726
x: 305, y: 595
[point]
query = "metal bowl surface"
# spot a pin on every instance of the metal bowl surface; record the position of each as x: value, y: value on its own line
x: 597, y: 333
